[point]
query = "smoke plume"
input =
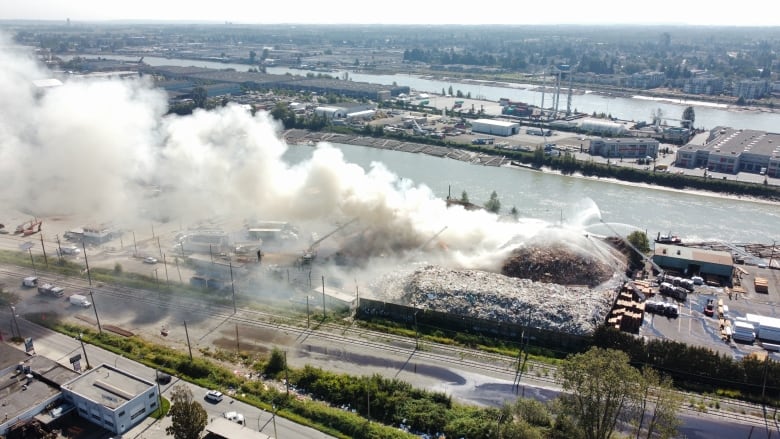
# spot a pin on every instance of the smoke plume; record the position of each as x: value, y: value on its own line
x: 105, y: 150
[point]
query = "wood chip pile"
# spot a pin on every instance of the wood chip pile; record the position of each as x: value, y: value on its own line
x: 556, y: 264
x: 493, y: 296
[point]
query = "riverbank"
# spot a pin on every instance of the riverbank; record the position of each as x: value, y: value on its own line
x: 496, y: 159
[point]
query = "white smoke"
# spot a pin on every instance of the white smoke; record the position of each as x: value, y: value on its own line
x: 97, y: 147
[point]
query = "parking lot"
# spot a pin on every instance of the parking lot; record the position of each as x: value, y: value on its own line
x: 694, y: 327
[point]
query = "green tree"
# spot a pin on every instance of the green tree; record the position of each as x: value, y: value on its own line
x: 464, y: 197
x: 450, y: 91
x: 277, y: 362
x: 660, y: 403
x: 188, y: 417
x: 252, y: 56
x: 601, y: 388
x: 688, y: 117
x: 199, y: 97
x: 493, y: 205
x: 514, y: 212
x: 639, y: 240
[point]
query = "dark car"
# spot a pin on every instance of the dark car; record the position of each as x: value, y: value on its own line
x: 163, y: 378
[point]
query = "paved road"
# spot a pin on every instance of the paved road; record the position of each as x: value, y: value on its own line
x: 463, y: 374
x: 60, y: 348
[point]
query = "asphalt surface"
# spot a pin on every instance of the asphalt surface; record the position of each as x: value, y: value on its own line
x: 468, y: 376
x: 60, y: 348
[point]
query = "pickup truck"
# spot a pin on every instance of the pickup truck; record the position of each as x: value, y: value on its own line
x: 51, y: 290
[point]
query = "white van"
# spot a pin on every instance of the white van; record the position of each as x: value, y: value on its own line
x: 30, y: 282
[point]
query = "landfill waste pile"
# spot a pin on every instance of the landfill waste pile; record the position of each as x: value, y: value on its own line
x: 493, y: 296
x: 556, y: 264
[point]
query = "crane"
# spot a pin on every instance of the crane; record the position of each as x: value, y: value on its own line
x: 310, y: 253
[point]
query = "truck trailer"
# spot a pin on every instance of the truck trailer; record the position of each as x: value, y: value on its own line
x: 51, y: 290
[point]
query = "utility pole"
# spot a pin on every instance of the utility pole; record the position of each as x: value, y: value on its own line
x: 15, y: 324
x: 96, y: 313
x: 165, y: 264
x: 86, y: 262
x: 32, y: 261
x: 84, y: 349
x: 307, y: 311
x: 159, y: 247
x: 238, y: 346
x: 45, y: 259
x: 187, y: 333
x: 323, y: 297
x: 233, y: 286
x: 135, y: 245
x: 59, y: 247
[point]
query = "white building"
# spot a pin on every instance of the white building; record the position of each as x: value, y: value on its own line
x: 495, y: 127
x: 331, y: 112
x: 111, y: 398
x: 625, y: 147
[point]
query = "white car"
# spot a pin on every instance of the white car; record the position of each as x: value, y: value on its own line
x: 150, y: 260
x: 235, y: 417
x: 214, y: 396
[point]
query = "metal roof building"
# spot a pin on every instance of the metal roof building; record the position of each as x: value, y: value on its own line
x: 495, y: 127
x: 690, y: 261
x: 732, y: 150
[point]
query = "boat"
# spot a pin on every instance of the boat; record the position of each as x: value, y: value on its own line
x: 668, y: 239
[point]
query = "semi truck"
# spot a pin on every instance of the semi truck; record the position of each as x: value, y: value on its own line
x: 51, y: 290
x: 79, y: 300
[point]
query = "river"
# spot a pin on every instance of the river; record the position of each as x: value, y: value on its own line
x: 708, y: 115
x: 554, y: 197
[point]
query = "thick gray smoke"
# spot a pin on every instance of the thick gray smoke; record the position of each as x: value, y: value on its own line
x: 105, y: 150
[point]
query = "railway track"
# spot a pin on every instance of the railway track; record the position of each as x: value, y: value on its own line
x: 496, y: 365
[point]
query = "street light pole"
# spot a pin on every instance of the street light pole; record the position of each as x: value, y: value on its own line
x: 15, y: 323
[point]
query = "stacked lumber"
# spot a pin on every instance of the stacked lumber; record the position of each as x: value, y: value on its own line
x: 761, y: 285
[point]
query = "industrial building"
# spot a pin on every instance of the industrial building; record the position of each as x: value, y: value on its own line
x: 624, y: 147
x: 30, y: 389
x: 205, y: 241
x: 111, y: 398
x: 495, y: 127
x: 730, y: 151
x: 603, y: 127
x: 712, y: 265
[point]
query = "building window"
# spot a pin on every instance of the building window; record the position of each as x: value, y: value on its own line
x: 153, y: 405
x: 138, y: 413
x: 96, y: 416
x: 120, y: 414
x: 151, y: 395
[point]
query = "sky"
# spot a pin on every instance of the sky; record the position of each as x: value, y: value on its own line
x: 749, y: 12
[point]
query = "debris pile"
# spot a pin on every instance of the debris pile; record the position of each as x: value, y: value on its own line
x: 556, y: 264
x: 480, y: 294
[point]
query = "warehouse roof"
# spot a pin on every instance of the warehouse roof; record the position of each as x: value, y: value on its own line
x: 499, y: 123
x: 694, y: 254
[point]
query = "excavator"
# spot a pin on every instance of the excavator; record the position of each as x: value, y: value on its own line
x: 310, y: 253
